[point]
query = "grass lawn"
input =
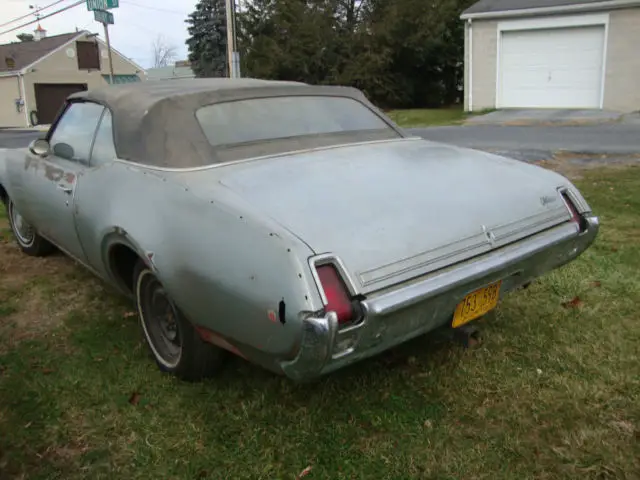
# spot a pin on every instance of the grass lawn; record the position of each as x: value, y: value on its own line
x: 553, y: 392
x: 424, y: 117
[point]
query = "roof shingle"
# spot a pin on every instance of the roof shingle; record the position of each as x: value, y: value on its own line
x: 487, y: 6
x: 25, y: 53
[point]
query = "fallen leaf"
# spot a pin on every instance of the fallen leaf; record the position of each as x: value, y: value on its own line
x: 596, y: 283
x: 134, y: 399
x: 203, y: 474
x: 538, y: 371
x: 47, y: 371
x: 614, y: 249
x: 428, y: 424
x: 305, y: 472
x: 573, y: 303
x: 129, y: 314
x: 473, y: 342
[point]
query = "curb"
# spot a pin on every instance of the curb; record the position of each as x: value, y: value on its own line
x: 542, y: 123
x: 43, y: 128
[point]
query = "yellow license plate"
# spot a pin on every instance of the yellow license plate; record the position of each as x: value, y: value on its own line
x: 476, y: 304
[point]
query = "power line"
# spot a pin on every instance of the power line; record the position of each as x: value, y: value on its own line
x: 79, y: 2
x: 134, y: 4
x: 29, y: 14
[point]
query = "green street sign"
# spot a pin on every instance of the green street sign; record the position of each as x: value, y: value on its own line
x: 101, y: 4
x: 103, y: 17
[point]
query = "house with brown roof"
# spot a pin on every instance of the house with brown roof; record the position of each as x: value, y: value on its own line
x: 552, y: 54
x: 37, y: 75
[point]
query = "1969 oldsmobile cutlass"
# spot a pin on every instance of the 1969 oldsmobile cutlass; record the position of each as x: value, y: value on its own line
x: 293, y: 225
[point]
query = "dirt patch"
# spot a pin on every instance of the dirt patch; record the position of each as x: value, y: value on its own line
x: 557, y: 123
x: 38, y: 313
x: 17, y: 269
x: 36, y: 294
x: 573, y: 165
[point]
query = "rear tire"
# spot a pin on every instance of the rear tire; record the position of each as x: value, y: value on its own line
x: 173, y: 341
x: 26, y: 236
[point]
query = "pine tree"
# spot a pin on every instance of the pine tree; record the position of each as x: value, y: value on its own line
x: 207, y: 42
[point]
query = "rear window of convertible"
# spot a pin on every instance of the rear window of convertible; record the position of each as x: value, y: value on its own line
x: 274, y: 118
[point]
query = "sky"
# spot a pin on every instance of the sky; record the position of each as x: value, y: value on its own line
x: 137, y: 24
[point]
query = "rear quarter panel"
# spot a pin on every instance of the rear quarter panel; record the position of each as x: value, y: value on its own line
x: 226, y: 268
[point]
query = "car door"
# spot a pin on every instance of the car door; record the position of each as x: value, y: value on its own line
x: 51, y: 181
x: 93, y: 201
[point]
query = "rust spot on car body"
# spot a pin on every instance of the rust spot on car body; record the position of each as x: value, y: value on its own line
x: 216, y: 339
x: 54, y: 174
x: 51, y: 172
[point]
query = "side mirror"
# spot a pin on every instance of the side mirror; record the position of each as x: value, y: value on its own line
x: 63, y: 150
x: 40, y: 147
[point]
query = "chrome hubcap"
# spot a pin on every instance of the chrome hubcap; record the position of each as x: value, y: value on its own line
x: 21, y: 228
x: 160, y: 320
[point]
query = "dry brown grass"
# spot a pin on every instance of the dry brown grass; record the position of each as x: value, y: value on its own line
x: 575, y: 165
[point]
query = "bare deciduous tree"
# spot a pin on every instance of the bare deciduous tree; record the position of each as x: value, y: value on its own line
x: 163, y: 52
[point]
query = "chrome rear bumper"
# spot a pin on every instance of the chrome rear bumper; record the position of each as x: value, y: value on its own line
x: 398, y: 314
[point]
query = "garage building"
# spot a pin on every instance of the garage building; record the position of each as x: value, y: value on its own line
x: 37, y: 75
x: 552, y: 54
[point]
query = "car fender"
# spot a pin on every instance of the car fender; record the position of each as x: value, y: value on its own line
x: 227, y: 268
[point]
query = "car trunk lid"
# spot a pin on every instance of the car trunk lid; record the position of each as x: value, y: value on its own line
x: 395, y: 210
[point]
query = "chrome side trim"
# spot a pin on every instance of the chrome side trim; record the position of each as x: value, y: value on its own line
x: 470, y: 246
x: 578, y: 200
x: 255, y: 159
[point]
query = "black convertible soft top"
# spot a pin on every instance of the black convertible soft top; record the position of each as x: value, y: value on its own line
x: 154, y: 122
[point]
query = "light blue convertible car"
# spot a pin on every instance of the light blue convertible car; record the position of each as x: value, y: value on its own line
x: 293, y: 225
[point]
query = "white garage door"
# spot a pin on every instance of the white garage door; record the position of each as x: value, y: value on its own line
x: 552, y: 68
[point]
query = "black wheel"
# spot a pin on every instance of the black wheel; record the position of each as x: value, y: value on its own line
x: 174, y: 343
x: 26, y: 236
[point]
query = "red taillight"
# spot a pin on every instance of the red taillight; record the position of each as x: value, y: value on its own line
x: 336, y: 292
x: 575, y: 216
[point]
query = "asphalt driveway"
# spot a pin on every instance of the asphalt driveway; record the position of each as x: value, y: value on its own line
x: 17, y: 138
x: 526, y: 142
x: 521, y: 142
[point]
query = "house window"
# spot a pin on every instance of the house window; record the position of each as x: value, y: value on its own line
x: 88, y: 55
x: 10, y: 62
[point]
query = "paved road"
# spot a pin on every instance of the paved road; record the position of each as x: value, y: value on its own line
x: 16, y: 138
x: 612, y: 139
x: 520, y: 142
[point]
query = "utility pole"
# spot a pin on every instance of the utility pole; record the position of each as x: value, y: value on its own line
x: 233, y: 57
x: 230, y: 36
x: 106, y: 35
